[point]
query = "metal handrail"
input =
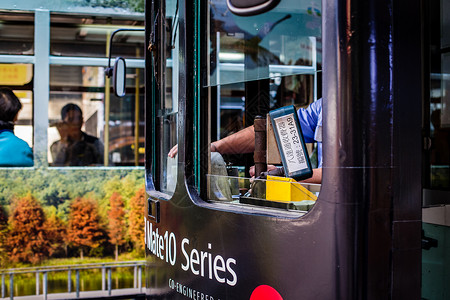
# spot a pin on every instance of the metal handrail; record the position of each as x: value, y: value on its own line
x: 59, y: 267
x: 105, y: 267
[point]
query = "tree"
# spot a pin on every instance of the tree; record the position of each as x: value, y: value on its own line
x: 55, y: 193
x: 3, y: 235
x: 3, y: 218
x: 56, y: 234
x: 27, y: 239
x: 84, y: 230
x: 136, y: 219
x: 117, y: 227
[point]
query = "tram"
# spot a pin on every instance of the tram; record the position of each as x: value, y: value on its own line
x: 212, y: 67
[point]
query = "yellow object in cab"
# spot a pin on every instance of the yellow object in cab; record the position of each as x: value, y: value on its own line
x: 286, y: 189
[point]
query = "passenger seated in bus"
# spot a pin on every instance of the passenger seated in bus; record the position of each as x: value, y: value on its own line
x: 75, y: 148
x: 244, y: 140
x: 14, y: 152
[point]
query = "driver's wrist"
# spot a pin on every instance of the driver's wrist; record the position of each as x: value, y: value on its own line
x: 213, y: 148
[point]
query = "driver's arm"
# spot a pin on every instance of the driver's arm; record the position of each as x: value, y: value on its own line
x: 242, y: 141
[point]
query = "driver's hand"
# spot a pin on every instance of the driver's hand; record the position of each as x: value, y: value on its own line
x: 252, y: 170
x: 173, y: 152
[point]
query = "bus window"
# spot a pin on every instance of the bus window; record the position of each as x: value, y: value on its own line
x: 23, y: 127
x: 77, y: 133
x: 88, y: 124
x: 17, y: 32
x: 165, y: 68
x: 89, y: 36
x: 16, y: 132
x: 437, y: 108
x: 436, y: 166
x: 252, y: 65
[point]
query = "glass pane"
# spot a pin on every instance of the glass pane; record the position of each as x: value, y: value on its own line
x: 76, y: 141
x: 253, y: 65
x: 81, y: 7
x: 23, y: 128
x: 16, y: 122
x: 235, y: 116
x: 438, y: 154
x: 126, y: 139
x: 274, y: 192
x: 16, y: 33
x: 283, y: 41
x: 167, y: 100
x: 89, y: 36
x: 440, y: 131
x: 436, y: 174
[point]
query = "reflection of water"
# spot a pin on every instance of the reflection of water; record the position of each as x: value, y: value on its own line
x: 90, y: 280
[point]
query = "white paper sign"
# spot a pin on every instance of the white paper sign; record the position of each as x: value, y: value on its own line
x: 290, y: 143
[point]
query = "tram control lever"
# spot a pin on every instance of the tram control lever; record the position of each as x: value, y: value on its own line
x: 259, y: 156
x: 260, y: 145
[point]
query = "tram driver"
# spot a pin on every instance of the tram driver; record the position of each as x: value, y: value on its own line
x: 243, y: 141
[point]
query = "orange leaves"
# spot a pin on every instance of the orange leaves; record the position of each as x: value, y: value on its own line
x: 136, y: 218
x: 26, y: 241
x: 29, y: 235
x: 117, y: 226
x: 84, y: 224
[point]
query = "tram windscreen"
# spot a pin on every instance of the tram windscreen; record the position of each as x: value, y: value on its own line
x: 251, y: 66
x: 284, y: 41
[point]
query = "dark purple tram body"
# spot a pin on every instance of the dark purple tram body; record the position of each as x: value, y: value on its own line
x: 362, y: 238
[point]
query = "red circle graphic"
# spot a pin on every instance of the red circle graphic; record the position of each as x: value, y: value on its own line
x: 265, y: 292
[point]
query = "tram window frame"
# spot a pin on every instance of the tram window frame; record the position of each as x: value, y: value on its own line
x: 87, y: 92
x: 95, y: 31
x: 208, y: 134
x: 162, y: 86
x: 436, y: 126
x: 22, y: 41
x: 18, y: 29
x: 41, y: 57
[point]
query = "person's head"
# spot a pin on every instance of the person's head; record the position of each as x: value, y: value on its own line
x: 72, y: 115
x: 9, y: 105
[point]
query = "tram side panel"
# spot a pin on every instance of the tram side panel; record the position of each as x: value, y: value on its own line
x: 228, y: 255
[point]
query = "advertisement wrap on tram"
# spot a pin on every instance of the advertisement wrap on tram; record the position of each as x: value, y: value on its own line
x: 263, y: 149
x: 284, y: 155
